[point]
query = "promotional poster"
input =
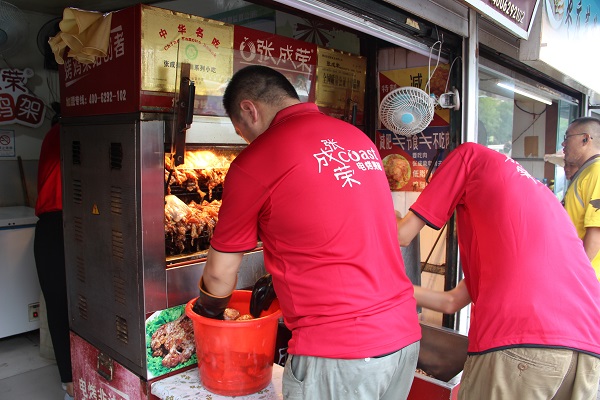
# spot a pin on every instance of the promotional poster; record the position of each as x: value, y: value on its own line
x: 407, y: 159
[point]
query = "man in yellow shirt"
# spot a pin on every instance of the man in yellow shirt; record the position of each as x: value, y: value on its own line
x: 581, y: 146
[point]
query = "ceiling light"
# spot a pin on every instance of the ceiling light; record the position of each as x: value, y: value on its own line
x: 523, y: 92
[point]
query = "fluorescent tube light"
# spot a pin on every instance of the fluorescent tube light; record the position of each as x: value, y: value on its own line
x: 525, y: 93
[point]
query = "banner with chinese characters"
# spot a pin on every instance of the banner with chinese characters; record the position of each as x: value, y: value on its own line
x: 17, y: 104
x: 96, y: 375
x: 170, y: 39
x: 406, y: 159
x: 111, y: 84
x: 295, y: 59
x: 141, y: 70
x: 341, y: 85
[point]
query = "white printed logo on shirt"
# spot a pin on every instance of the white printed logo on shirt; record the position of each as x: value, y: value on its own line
x: 344, y: 162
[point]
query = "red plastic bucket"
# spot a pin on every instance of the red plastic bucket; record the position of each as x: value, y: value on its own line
x: 235, y: 358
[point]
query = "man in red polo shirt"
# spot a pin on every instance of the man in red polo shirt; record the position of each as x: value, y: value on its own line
x: 535, y: 300
x: 313, y: 189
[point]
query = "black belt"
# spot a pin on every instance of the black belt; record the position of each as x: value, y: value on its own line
x: 387, y: 354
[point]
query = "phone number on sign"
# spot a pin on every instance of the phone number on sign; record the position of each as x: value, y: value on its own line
x: 95, y: 98
x: 109, y: 97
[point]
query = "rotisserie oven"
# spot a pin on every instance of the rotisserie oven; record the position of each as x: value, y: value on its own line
x: 138, y: 225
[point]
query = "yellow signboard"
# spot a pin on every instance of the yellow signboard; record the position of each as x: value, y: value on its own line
x: 170, y: 38
x: 340, y: 82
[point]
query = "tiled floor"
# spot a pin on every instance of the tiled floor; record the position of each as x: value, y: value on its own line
x: 24, y: 373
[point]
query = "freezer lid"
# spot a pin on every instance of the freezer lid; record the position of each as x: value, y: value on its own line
x: 17, y: 216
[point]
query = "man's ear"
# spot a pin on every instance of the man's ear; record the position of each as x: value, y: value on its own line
x: 249, y: 110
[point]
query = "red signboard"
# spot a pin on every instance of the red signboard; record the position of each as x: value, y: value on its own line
x: 141, y: 71
x: 96, y: 376
x: 295, y: 59
x: 111, y: 84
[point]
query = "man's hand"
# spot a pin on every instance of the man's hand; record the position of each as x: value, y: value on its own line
x: 208, y: 305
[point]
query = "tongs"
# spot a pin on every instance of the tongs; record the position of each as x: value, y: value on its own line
x: 263, y: 295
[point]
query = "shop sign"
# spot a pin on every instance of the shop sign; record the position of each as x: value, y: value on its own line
x: 141, y: 70
x: 171, y: 38
x: 514, y: 15
x: 110, y: 84
x: 341, y: 84
x: 17, y: 104
x: 406, y: 159
x: 567, y: 40
x: 293, y: 58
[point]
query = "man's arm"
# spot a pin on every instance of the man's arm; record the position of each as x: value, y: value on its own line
x: 408, y: 227
x: 445, y: 302
x: 220, y: 272
x: 591, y: 241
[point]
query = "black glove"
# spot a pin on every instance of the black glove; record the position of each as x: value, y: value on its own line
x: 263, y: 295
x: 208, y: 305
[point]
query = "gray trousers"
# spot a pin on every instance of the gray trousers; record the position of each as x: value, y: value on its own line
x: 385, y: 378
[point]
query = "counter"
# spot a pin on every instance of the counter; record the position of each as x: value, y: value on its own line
x: 186, y: 385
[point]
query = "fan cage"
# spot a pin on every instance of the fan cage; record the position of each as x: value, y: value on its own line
x: 408, y: 102
x: 13, y: 25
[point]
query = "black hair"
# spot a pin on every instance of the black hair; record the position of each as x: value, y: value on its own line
x: 586, y: 120
x: 256, y: 82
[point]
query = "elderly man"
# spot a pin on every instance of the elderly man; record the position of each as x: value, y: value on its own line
x: 582, y: 200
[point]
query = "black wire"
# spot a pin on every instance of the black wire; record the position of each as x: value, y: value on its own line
x: 530, y: 125
x: 529, y: 112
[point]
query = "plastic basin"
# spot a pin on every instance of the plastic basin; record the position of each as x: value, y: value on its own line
x: 235, y: 358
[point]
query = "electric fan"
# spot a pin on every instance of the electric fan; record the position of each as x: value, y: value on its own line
x: 409, y: 110
x: 13, y: 29
x: 406, y: 110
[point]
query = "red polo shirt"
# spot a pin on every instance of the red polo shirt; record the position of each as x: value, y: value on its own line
x: 525, y: 268
x: 313, y: 189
